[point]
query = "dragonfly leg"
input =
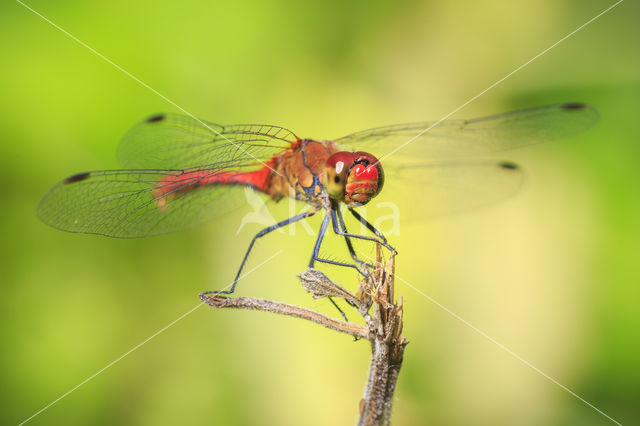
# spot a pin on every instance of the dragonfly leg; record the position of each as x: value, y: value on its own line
x: 382, y: 241
x: 339, y: 310
x: 314, y: 257
x: 316, y: 248
x: 369, y: 226
x: 348, y: 240
x: 265, y: 231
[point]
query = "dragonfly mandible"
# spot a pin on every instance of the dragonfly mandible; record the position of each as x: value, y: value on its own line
x: 178, y: 172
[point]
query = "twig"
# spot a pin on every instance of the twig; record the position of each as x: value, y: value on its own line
x: 387, y: 347
x: 217, y: 301
x: 383, y: 329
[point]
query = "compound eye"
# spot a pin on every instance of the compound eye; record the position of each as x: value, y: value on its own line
x: 366, y: 178
x: 365, y: 172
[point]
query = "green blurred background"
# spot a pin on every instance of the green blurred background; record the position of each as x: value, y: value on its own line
x: 552, y: 273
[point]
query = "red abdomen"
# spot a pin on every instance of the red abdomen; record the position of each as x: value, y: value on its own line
x: 173, y: 185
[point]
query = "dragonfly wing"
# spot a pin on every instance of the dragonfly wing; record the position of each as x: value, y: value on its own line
x: 459, y: 138
x: 171, y: 141
x: 432, y: 190
x: 136, y: 203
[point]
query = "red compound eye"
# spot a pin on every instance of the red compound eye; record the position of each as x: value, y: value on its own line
x: 347, y: 158
x: 365, y: 173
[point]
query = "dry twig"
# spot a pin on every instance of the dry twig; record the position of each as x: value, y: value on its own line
x: 383, y: 328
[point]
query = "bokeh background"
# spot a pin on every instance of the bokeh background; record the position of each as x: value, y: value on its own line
x: 553, y: 273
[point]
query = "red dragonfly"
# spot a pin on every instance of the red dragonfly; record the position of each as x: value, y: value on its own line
x: 178, y: 171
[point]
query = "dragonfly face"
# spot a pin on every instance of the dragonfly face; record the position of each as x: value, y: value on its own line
x: 353, y: 177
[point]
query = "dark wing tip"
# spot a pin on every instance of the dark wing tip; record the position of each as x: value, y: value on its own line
x: 587, y: 114
x: 508, y: 165
x: 77, y: 178
x: 574, y: 105
x: 155, y: 118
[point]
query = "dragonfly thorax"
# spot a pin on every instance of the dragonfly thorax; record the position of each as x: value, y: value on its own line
x: 353, y: 177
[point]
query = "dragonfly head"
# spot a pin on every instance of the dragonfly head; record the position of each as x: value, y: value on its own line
x: 353, y: 177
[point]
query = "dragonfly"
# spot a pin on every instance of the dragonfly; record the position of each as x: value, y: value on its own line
x: 178, y: 172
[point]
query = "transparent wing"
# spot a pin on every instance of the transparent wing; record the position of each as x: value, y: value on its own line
x: 430, y: 190
x: 170, y: 141
x: 459, y: 138
x: 136, y: 203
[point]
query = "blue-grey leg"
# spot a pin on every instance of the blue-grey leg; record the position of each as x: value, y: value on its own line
x: 316, y: 248
x: 369, y: 226
x: 265, y: 231
x: 315, y: 256
x: 381, y: 241
x: 352, y: 252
